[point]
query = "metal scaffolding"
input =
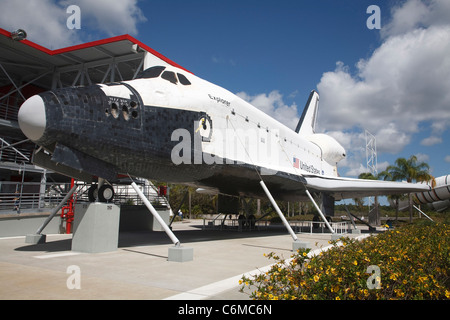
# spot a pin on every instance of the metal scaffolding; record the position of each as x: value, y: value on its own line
x: 371, y: 158
x: 27, y: 68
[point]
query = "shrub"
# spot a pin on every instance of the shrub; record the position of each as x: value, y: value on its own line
x: 412, y: 263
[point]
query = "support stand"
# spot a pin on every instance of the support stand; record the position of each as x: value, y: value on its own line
x: 297, y: 244
x: 320, y: 211
x: 355, y: 230
x: 334, y: 235
x: 96, y: 227
x: 176, y: 253
x: 39, y: 238
x: 423, y: 213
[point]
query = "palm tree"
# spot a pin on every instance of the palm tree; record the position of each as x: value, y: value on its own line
x: 409, y: 170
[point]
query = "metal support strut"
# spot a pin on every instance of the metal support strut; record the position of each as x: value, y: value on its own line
x: 149, y: 206
x: 320, y: 211
x: 277, y: 209
x: 423, y: 213
x: 53, y: 213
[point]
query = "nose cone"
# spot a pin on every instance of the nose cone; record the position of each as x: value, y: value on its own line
x: 32, y: 120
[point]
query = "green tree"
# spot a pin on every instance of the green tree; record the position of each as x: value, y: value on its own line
x: 410, y: 170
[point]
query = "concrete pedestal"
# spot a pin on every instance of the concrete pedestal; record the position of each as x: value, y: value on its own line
x: 181, y: 254
x: 35, y: 238
x: 300, y: 245
x: 336, y: 236
x: 96, y: 227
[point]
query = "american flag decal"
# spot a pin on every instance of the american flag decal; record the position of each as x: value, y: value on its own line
x: 296, y: 163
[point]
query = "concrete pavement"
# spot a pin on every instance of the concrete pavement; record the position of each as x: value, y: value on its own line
x: 139, y: 269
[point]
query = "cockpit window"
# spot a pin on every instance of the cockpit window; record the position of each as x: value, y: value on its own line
x: 152, y: 72
x: 170, y: 76
x: 155, y: 72
x: 183, y: 79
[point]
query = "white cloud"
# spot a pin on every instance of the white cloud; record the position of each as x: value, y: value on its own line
x: 410, y: 15
x: 415, y: 14
x: 421, y: 157
x: 401, y: 88
x: 447, y: 158
x: 45, y: 20
x: 273, y: 105
x: 430, y: 141
x: 111, y: 17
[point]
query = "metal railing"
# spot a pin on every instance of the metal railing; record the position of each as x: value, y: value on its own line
x: 14, y: 154
x: 341, y: 227
x: 298, y: 226
x: 234, y: 224
x: 34, y: 196
x: 9, y: 107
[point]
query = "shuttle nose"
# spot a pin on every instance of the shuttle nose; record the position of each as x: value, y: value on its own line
x: 32, y: 120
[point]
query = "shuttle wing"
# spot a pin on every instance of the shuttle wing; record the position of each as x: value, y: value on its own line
x: 347, y: 188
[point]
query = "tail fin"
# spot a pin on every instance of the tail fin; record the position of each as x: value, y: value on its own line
x: 307, y: 124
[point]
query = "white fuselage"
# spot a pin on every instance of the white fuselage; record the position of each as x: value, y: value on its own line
x: 237, y: 131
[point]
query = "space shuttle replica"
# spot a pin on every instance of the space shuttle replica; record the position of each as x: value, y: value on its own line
x: 169, y: 125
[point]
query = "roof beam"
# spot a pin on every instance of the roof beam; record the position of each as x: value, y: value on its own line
x: 106, y: 61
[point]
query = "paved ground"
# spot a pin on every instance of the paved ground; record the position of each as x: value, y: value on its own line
x: 139, y: 269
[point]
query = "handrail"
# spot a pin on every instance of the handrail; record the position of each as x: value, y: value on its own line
x: 17, y: 196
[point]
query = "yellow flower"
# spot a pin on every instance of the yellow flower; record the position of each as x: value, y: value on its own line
x: 316, y: 278
x: 305, y: 254
x: 399, y: 293
x: 337, y: 298
x: 355, y: 262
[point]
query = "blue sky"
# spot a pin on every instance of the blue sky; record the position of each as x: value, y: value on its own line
x: 393, y: 81
x: 259, y: 46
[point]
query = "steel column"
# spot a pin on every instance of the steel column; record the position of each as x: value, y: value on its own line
x: 277, y: 209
